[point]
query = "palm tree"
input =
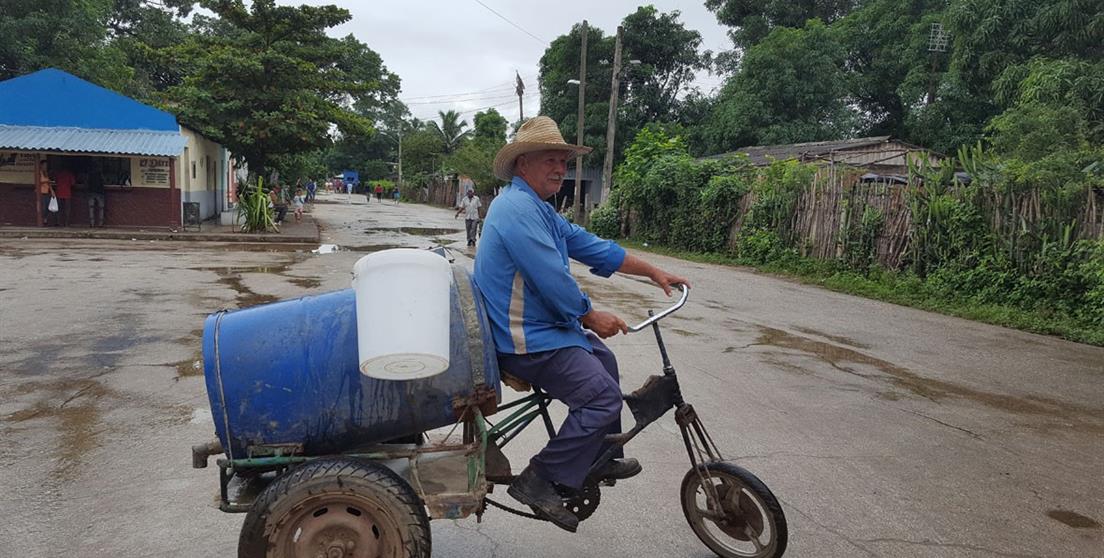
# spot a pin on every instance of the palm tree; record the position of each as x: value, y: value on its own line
x: 451, y: 129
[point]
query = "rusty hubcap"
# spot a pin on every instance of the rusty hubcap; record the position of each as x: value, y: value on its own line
x: 336, y: 527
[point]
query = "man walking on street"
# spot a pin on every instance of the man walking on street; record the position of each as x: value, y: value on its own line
x: 545, y: 329
x: 470, y: 205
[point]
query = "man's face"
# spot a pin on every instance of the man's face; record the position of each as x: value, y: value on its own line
x: 543, y: 170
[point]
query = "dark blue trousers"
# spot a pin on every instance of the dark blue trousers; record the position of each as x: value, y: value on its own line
x: 588, y: 383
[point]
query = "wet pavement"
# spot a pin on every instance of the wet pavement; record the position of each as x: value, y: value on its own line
x: 883, y: 430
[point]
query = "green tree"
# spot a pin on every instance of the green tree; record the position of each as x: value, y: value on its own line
x: 423, y: 153
x: 652, y: 91
x: 559, y: 99
x: 70, y: 35
x: 266, y: 81
x: 887, y: 45
x: 475, y: 159
x: 791, y: 87
x: 751, y: 22
x: 490, y: 125
x: 669, y: 55
x: 450, y: 130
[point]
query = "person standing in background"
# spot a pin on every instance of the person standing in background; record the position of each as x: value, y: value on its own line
x: 64, y: 179
x: 45, y: 191
x: 379, y: 192
x: 470, y: 205
x: 96, y: 194
x: 311, y: 187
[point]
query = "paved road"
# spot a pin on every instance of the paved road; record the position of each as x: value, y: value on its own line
x: 884, y: 431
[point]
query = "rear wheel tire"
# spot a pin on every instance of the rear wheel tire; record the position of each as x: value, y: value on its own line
x: 744, y: 520
x: 336, y: 508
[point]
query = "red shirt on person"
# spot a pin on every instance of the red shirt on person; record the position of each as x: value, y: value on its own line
x: 64, y: 180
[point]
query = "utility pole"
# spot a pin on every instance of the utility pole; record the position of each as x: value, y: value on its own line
x: 611, y: 124
x: 400, y: 155
x: 580, y: 217
x: 520, y: 91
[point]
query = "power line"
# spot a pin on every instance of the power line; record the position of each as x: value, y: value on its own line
x: 503, y: 86
x: 498, y: 105
x: 504, y: 18
x: 494, y: 97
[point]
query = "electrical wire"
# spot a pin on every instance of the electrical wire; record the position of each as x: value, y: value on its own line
x: 504, y: 18
x: 496, y: 97
x: 531, y: 96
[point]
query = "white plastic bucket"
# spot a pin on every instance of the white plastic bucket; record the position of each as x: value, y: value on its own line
x: 402, y: 309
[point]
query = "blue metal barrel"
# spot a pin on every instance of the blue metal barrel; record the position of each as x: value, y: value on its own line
x: 282, y: 378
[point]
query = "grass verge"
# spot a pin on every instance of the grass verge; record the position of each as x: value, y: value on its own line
x: 898, y: 288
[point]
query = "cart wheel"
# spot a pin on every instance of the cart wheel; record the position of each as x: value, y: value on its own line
x: 733, y: 512
x: 336, y: 508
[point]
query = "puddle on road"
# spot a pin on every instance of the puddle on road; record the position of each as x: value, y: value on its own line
x: 844, y: 359
x: 837, y: 338
x: 1073, y: 519
x: 368, y: 248
x: 190, y: 367
x: 416, y: 231
x: 305, y: 282
x: 78, y: 417
x: 231, y: 277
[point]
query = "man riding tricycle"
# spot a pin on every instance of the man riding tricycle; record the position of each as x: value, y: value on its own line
x: 329, y: 462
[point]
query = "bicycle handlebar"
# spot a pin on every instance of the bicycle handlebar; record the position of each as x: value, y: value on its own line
x: 665, y: 313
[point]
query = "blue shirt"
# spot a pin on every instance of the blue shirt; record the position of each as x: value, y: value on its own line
x: 533, y: 303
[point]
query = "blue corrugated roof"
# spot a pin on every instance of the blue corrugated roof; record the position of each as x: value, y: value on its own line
x: 52, y: 97
x: 85, y: 140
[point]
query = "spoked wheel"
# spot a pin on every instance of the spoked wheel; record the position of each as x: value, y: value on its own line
x: 336, y: 508
x: 733, y: 512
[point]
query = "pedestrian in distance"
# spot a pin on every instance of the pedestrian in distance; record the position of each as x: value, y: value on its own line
x: 96, y: 195
x: 312, y: 188
x: 46, y: 192
x: 297, y: 203
x: 64, y: 180
x: 379, y: 192
x: 279, y: 204
x: 396, y: 194
x: 470, y: 205
x: 545, y: 328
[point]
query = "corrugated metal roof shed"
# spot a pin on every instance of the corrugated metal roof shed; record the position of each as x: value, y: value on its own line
x: 50, y: 110
x: 82, y: 140
x: 763, y: 154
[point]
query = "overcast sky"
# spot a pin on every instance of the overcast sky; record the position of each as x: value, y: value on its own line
x: 457, y: 54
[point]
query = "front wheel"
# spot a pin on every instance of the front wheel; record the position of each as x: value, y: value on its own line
x: 733, y: 512
x: 336, y: 508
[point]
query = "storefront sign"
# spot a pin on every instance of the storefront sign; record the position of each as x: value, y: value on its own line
x: 153, y: 172
x: 17, y: 168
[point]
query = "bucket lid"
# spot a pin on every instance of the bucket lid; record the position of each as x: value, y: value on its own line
x: 405, y: 366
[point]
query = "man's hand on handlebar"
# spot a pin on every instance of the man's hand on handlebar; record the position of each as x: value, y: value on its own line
x: 605, y: 324
x: 666, y: 280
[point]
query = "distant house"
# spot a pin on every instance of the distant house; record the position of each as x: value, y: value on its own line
x: 151, y: 165
x: 880, y: 155
x: 592, y: 188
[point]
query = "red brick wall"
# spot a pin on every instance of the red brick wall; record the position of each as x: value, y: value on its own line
x: 137, y: 207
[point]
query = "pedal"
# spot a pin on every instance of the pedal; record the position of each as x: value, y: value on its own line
x: 608, y: 482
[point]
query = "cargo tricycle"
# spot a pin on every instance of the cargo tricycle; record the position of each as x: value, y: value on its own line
x: 327, y: 462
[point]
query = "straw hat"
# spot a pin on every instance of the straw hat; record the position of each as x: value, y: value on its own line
x: 536, y: 134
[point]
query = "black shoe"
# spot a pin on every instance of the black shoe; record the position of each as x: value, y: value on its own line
x: 530, y: 489
x: 619, y: 469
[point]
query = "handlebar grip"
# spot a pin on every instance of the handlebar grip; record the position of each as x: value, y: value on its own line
x: 685, y: 295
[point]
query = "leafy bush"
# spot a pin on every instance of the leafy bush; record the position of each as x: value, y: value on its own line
x: 605, y: 221
x: 253, y: 211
